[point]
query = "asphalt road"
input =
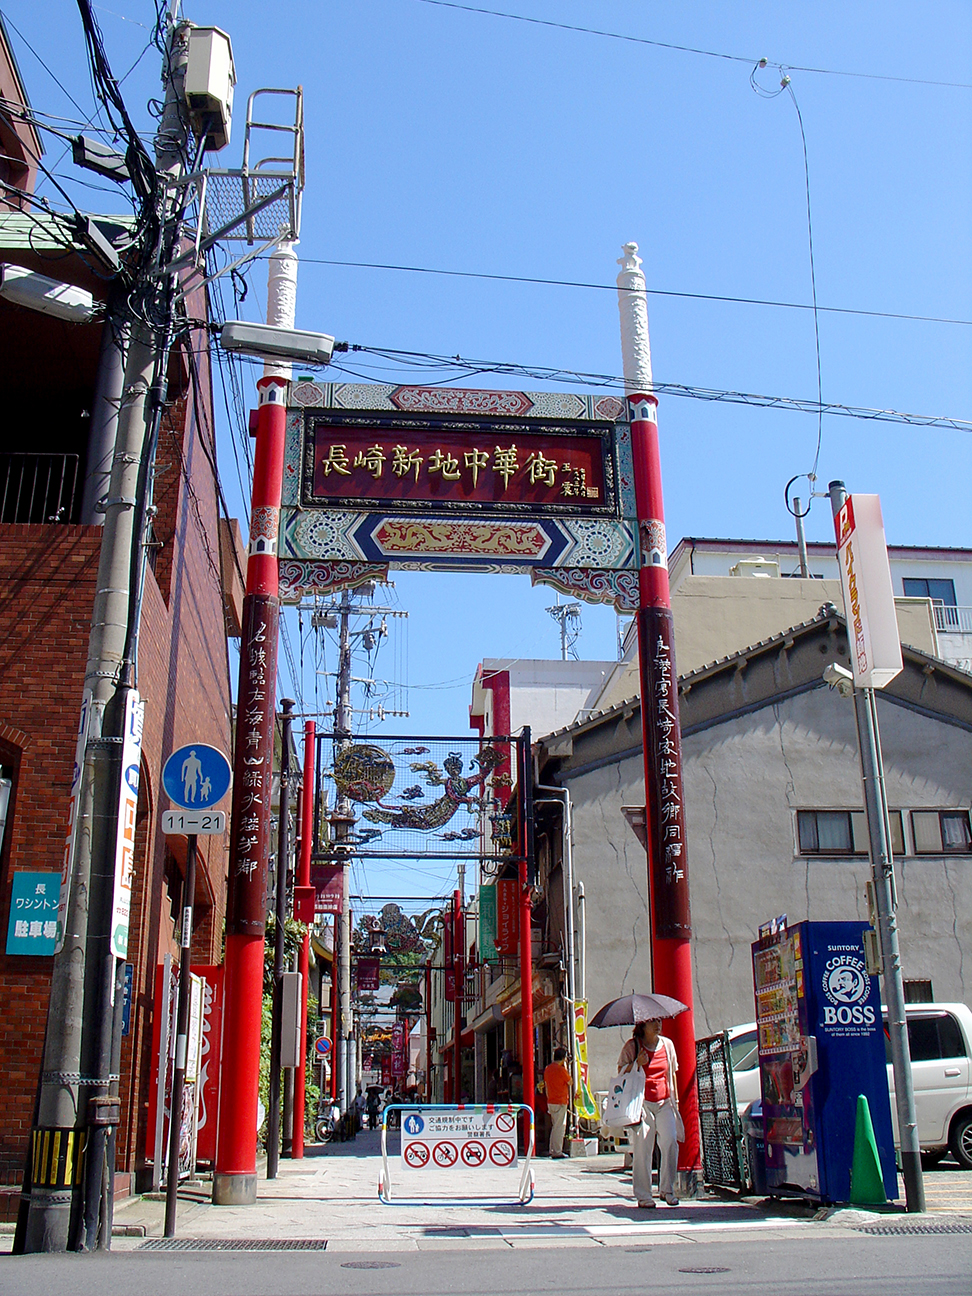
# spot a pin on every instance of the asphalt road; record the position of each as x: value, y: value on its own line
x: 851, y: 1265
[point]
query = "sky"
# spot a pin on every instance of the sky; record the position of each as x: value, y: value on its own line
x: 452, y: 140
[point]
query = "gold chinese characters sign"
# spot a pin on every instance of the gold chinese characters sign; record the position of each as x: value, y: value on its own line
x: 457, y: 466
x: 452, y: 479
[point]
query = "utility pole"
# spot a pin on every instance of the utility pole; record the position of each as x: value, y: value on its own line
x: 182, y: 1038
x: 71, y: 1188
x: 885, y: 903
x: 304, y: 881
x: 668, y: 880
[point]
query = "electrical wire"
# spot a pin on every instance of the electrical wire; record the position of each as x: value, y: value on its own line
x: 689, y: 49
x: 651, y: 292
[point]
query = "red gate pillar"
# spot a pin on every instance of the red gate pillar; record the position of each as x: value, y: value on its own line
x: 304, y: 880
x: 668, y: 885
x: 234, y: 1180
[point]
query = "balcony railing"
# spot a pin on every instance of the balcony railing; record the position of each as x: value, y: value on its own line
x: 952, y: 620
x: 38, y: 487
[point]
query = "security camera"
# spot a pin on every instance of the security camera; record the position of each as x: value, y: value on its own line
x: 840, y: 678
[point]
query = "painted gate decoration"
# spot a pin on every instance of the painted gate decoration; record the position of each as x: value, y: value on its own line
x: 447, y: 479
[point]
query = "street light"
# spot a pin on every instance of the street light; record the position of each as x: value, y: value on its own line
x: 270, y: 342
x: 51, y: 296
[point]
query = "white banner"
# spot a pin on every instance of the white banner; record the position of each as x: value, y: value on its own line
x: 127, y: 810
x: 865, y: 577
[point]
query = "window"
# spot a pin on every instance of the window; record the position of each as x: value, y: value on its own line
x: 939, y: 591
x: 841, y: 832
x: 938, y: 832
x: 743, y: 1052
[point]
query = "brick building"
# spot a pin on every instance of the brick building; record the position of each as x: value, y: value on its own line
x: 51, y: 476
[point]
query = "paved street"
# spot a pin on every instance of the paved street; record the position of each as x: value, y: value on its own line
x: 582, y: 1210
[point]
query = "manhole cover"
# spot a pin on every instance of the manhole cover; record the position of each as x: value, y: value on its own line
x: 889, y: 1230
x: 234, y: 1244
x: 705, y: 1269
x: 370, y: 1264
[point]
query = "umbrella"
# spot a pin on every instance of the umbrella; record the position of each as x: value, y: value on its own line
x: 637, y: 1007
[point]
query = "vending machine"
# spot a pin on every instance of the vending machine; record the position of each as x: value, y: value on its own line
x: 821, y: 1045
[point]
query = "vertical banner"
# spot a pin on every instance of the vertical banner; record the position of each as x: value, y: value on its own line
x: 369, y: 973
x: 507, y: 938
x: 487, y: 923
x: 212, y: 1030
x: 865, y: 579
x: 584, y: 1104
x: 399, y: 1058
x: 127, y: 811
x: 668, y: 853
x: 246, y: 908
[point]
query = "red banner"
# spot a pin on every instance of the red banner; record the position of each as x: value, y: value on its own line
x: 366, y: 461
x: 507, y: 916
x: 399, y: 1058
x: 328, y: 881
x: 369, y: 973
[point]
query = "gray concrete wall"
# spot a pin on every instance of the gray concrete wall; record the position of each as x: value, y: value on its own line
x: 744, y: 780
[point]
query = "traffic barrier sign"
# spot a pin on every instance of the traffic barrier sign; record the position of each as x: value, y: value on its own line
x: 439, y: 1140
x: 322, y: 1046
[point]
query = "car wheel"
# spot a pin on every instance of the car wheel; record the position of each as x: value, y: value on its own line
x: 960, y: 1141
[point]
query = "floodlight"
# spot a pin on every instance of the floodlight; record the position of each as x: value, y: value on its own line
x: 840, y: 678
x: 36, y: 291
x: 269, y: 342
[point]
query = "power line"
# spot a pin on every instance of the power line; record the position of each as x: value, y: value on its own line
x: 689, y: 49
x: 460, y: 367
x: 652, y: 292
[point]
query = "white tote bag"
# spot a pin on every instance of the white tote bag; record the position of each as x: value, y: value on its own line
x: 625, y: 1094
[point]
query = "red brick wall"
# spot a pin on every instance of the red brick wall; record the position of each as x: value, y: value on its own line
x: 47, y: 581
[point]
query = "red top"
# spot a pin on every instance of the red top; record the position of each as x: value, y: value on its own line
x: 556, y: 1077
x: 656, y: 1075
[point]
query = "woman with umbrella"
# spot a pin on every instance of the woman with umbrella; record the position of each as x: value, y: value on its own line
x: 655, y: 1054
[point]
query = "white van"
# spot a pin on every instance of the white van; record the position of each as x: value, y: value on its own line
x: 940, y: 1039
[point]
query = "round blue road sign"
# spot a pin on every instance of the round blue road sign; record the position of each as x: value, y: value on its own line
x: 196, y: 777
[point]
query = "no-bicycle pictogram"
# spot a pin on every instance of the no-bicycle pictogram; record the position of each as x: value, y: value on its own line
x: 502, y: 1153
x: 505, y: 1121
x: 445, y: 1154
x: 473, y: 1152
x: 416, y: 1155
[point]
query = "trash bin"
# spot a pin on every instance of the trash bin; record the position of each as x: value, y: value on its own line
x: 755, y: 1138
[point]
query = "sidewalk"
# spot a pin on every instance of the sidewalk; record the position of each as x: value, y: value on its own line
x: 332, y: 1195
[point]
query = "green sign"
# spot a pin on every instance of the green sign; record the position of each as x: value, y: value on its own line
x: 32, y: 928
x: 487, y: 923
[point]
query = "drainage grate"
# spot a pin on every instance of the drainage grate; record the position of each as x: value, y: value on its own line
x: 706, y: 1269
x: 370, y: 1264
x: 889, y: 1230
x: 234, y: 1244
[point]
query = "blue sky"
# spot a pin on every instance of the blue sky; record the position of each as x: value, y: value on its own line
x: 452, y: 140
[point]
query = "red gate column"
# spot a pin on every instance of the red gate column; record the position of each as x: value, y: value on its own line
x: 668, y: 884
x: 304, y: 880
x: 234, y: 1181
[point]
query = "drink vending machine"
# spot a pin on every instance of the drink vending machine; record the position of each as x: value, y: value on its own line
x: 821, y: 1044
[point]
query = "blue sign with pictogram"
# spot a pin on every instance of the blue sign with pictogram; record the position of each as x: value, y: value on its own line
x: 196, y: 776
x: 33, y: 913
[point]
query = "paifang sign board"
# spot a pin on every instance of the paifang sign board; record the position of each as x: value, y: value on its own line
x: 865, y: 577
x: 448, y: 479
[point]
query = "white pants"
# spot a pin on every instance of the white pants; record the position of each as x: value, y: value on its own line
x: 657, y: 1122
x: 558, y: 1114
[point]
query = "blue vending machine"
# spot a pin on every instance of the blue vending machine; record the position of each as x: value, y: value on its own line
x: 821, y: 1044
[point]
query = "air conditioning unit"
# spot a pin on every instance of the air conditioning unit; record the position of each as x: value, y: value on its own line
x: 210, y: 79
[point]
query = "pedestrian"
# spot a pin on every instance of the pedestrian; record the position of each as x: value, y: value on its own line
x: 558, y: 1083
x: 373, y: 1105
x: 655, y: 1054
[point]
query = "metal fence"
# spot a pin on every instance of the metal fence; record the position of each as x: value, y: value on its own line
x: 38, y: 487
x: 723, y: 1157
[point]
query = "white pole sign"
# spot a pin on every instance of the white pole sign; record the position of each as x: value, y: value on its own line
x: 127, y: 811
x: 865, y: 577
